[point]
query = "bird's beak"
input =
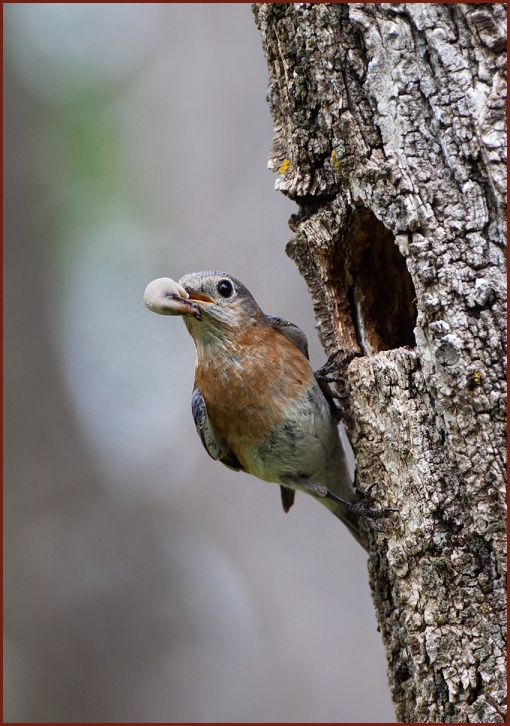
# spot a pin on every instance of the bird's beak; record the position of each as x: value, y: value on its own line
x: 205, y: 299
x: 192, y: 304
x: 167, y: 297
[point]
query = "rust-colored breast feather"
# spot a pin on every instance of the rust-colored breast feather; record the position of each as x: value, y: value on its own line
x: 248, y: 389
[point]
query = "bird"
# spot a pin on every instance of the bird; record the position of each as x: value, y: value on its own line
x: 257, y: 404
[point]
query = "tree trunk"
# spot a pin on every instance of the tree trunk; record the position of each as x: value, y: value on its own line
x: 389, y: 133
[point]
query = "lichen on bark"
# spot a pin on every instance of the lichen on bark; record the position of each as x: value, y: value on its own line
x: 390, y: 135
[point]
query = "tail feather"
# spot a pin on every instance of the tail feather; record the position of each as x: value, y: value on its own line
x: 329, y: 499
x: 347, y: 516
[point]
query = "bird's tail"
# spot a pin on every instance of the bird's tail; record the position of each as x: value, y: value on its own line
x: 349, y: 517
x: 341, y: 494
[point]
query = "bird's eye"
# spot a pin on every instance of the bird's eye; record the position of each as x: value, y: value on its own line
x: 225, y: 288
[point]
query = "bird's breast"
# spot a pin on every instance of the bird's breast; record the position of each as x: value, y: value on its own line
x: 250, y: 388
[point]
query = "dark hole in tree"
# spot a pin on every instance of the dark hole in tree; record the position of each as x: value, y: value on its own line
x: 380, y: 289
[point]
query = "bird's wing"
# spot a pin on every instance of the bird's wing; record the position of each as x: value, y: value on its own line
x: 299, y: 339
x: 213, y: 442
x: 296, y: 336
x: 290, y: 331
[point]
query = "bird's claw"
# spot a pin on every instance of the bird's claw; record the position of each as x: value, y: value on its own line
x: 323, y: 375
x: 368, y: 492
x: 369, y: 513
x: 334, y: 366
x: 362, y: 508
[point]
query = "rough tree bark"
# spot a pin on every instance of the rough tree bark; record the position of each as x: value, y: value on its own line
x: 389, y: 133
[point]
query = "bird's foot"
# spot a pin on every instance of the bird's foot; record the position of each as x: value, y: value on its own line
x: 363, y: 509
x: 331, y: 372
x: 333, y: 366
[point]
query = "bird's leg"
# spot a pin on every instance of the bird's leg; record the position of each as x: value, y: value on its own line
x: 362, y: 508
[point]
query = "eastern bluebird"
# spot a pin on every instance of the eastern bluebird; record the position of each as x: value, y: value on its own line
x: 257, y: 404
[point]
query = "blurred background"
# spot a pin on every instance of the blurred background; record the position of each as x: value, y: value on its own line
x: 143, y: 581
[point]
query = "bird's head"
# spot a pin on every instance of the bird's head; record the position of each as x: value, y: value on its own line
x: 214, y: 305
